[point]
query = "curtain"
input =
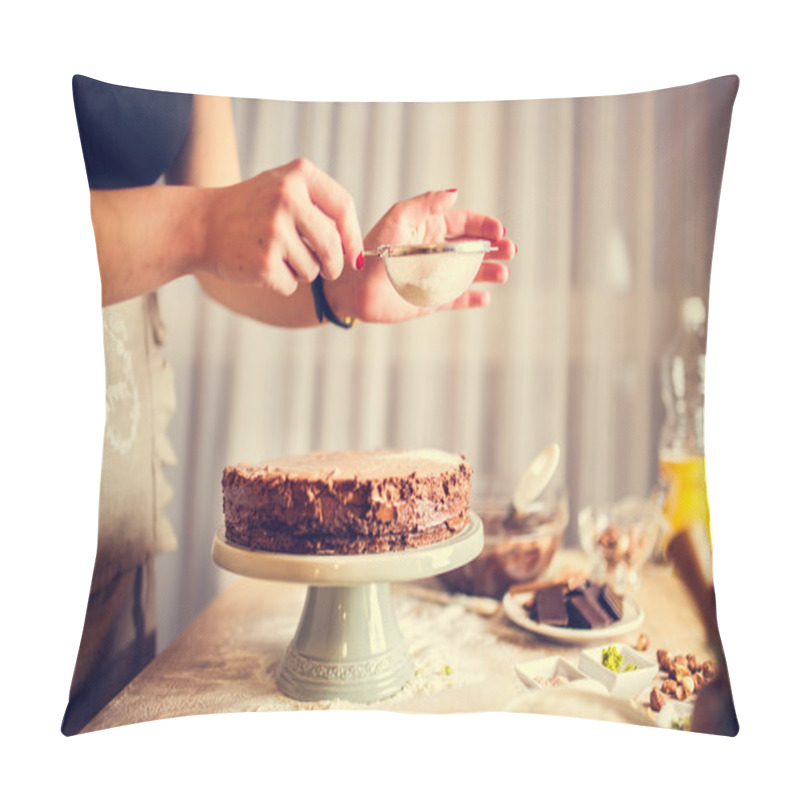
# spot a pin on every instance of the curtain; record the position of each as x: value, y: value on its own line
x: 612, y: 202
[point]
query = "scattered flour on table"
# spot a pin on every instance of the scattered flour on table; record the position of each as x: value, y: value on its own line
x: 445, y: 643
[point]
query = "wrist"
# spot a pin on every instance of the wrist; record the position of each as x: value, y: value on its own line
x: 199, y: 230
x: 323, y: 309
x: 335, y: 300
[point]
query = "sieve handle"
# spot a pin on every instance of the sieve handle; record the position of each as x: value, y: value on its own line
x: 379, y: 251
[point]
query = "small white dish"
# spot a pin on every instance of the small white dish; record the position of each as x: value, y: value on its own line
x: 632, y: 618
x: 676, y: 715
x: 553, y: 672
x: 626, y: 684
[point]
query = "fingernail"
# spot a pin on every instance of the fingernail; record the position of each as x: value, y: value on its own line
x: 360, y: 261
x: 504, y: 230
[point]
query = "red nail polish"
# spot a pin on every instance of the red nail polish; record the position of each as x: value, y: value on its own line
x: 452, y: 190
x: 360, y: 261
x: 504, y: 230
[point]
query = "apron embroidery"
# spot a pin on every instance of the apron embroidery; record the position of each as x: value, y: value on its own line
x: 123, y: 406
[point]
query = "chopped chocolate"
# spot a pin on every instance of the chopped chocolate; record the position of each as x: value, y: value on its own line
x: 587, y: 605
x: 585, y: 611
x: 611, y: 602
x: 549, y: 606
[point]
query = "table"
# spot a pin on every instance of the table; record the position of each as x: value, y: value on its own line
x: 226, y: 659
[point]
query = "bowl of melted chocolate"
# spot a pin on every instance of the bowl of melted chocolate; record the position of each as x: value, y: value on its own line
x: 518, y: 546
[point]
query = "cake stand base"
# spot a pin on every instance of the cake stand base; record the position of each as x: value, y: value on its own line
x: 348, y: 645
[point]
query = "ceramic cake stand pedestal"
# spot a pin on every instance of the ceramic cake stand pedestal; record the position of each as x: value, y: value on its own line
x: 348, y: 645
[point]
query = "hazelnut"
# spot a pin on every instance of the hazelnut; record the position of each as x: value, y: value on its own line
x: 680, y: 671
x: 709, y: 670
x: 609, y: 537
x: 664, y: 660
x: 669, y: 686
x: 657, y: 700
x: 385, y: 512
x: 643, y: 642
x: 692, y: 662
x: 688, y: 684
x: 680, y: 692
x: 699, y: 681
x: 680, y: 659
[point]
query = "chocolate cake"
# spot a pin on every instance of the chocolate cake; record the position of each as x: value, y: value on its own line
x: 347, y: 502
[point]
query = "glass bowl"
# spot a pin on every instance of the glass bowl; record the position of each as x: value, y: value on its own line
x: 517, y: 547
x: 620, y: 538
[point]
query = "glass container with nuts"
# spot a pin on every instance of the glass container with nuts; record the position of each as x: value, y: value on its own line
x: 620, y: 538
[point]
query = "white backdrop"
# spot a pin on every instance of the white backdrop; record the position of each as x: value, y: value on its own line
x: 508, y: 50
x: 612, y: 202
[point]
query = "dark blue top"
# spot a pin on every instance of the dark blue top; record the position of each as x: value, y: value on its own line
x: 129, y: 136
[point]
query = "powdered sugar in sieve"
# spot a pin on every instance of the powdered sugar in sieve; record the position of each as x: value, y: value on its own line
x: 433, y: 275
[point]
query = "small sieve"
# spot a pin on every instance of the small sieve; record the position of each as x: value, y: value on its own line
x: 432, y: 275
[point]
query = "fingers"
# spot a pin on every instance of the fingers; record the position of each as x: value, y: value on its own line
x: 472, y: 298
x: 504, y: 250
x: 321, y: 250
x: 492, y: 272
x: 420, y: 208
x: 332, y: 201
x: 462, y: 222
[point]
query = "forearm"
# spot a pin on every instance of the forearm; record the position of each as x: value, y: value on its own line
x: 147, y: 237
x: 261, y: 304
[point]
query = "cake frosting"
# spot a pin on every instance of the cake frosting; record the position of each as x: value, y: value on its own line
x: 347, y: 502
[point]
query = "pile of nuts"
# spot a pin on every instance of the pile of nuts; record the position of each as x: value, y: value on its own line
x: 620, y: 545
x: 686, y: 675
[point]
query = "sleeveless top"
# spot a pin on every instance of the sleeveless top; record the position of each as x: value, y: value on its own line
x: 129, y: 138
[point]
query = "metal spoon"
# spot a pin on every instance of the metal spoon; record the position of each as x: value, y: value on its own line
x: 535, y: 479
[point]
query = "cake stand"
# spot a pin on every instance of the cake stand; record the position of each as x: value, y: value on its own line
x: 347, y: 644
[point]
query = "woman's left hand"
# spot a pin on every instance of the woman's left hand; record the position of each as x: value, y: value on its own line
x: 368, y: 294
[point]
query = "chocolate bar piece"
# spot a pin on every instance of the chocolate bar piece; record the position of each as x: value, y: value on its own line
x: 611, y: 602
x: 584, y: 609
x: 549, y: 606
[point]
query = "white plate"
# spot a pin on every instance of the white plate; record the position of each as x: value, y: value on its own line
x: 333, y: 570
x: 632, y: 618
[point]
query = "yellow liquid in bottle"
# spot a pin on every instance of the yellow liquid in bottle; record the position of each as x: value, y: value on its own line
x: 686, y: 500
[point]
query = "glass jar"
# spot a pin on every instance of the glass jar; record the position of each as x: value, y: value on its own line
x: 517, y: 547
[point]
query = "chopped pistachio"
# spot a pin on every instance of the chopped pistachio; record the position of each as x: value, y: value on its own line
x: 612, y: 659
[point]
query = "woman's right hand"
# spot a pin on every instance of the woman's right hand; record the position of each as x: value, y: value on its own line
x: 282, y: 227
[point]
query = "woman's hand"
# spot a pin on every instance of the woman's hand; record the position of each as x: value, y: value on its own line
x: 425, y: 219
x: 282, y: 227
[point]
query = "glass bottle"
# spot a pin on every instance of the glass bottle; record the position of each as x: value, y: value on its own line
x: 682, y: 468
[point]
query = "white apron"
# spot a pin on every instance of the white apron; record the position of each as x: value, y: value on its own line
x: 119, y: 633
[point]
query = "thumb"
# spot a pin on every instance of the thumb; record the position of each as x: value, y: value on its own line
x: 417, y: 209
x: 441, y: 201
